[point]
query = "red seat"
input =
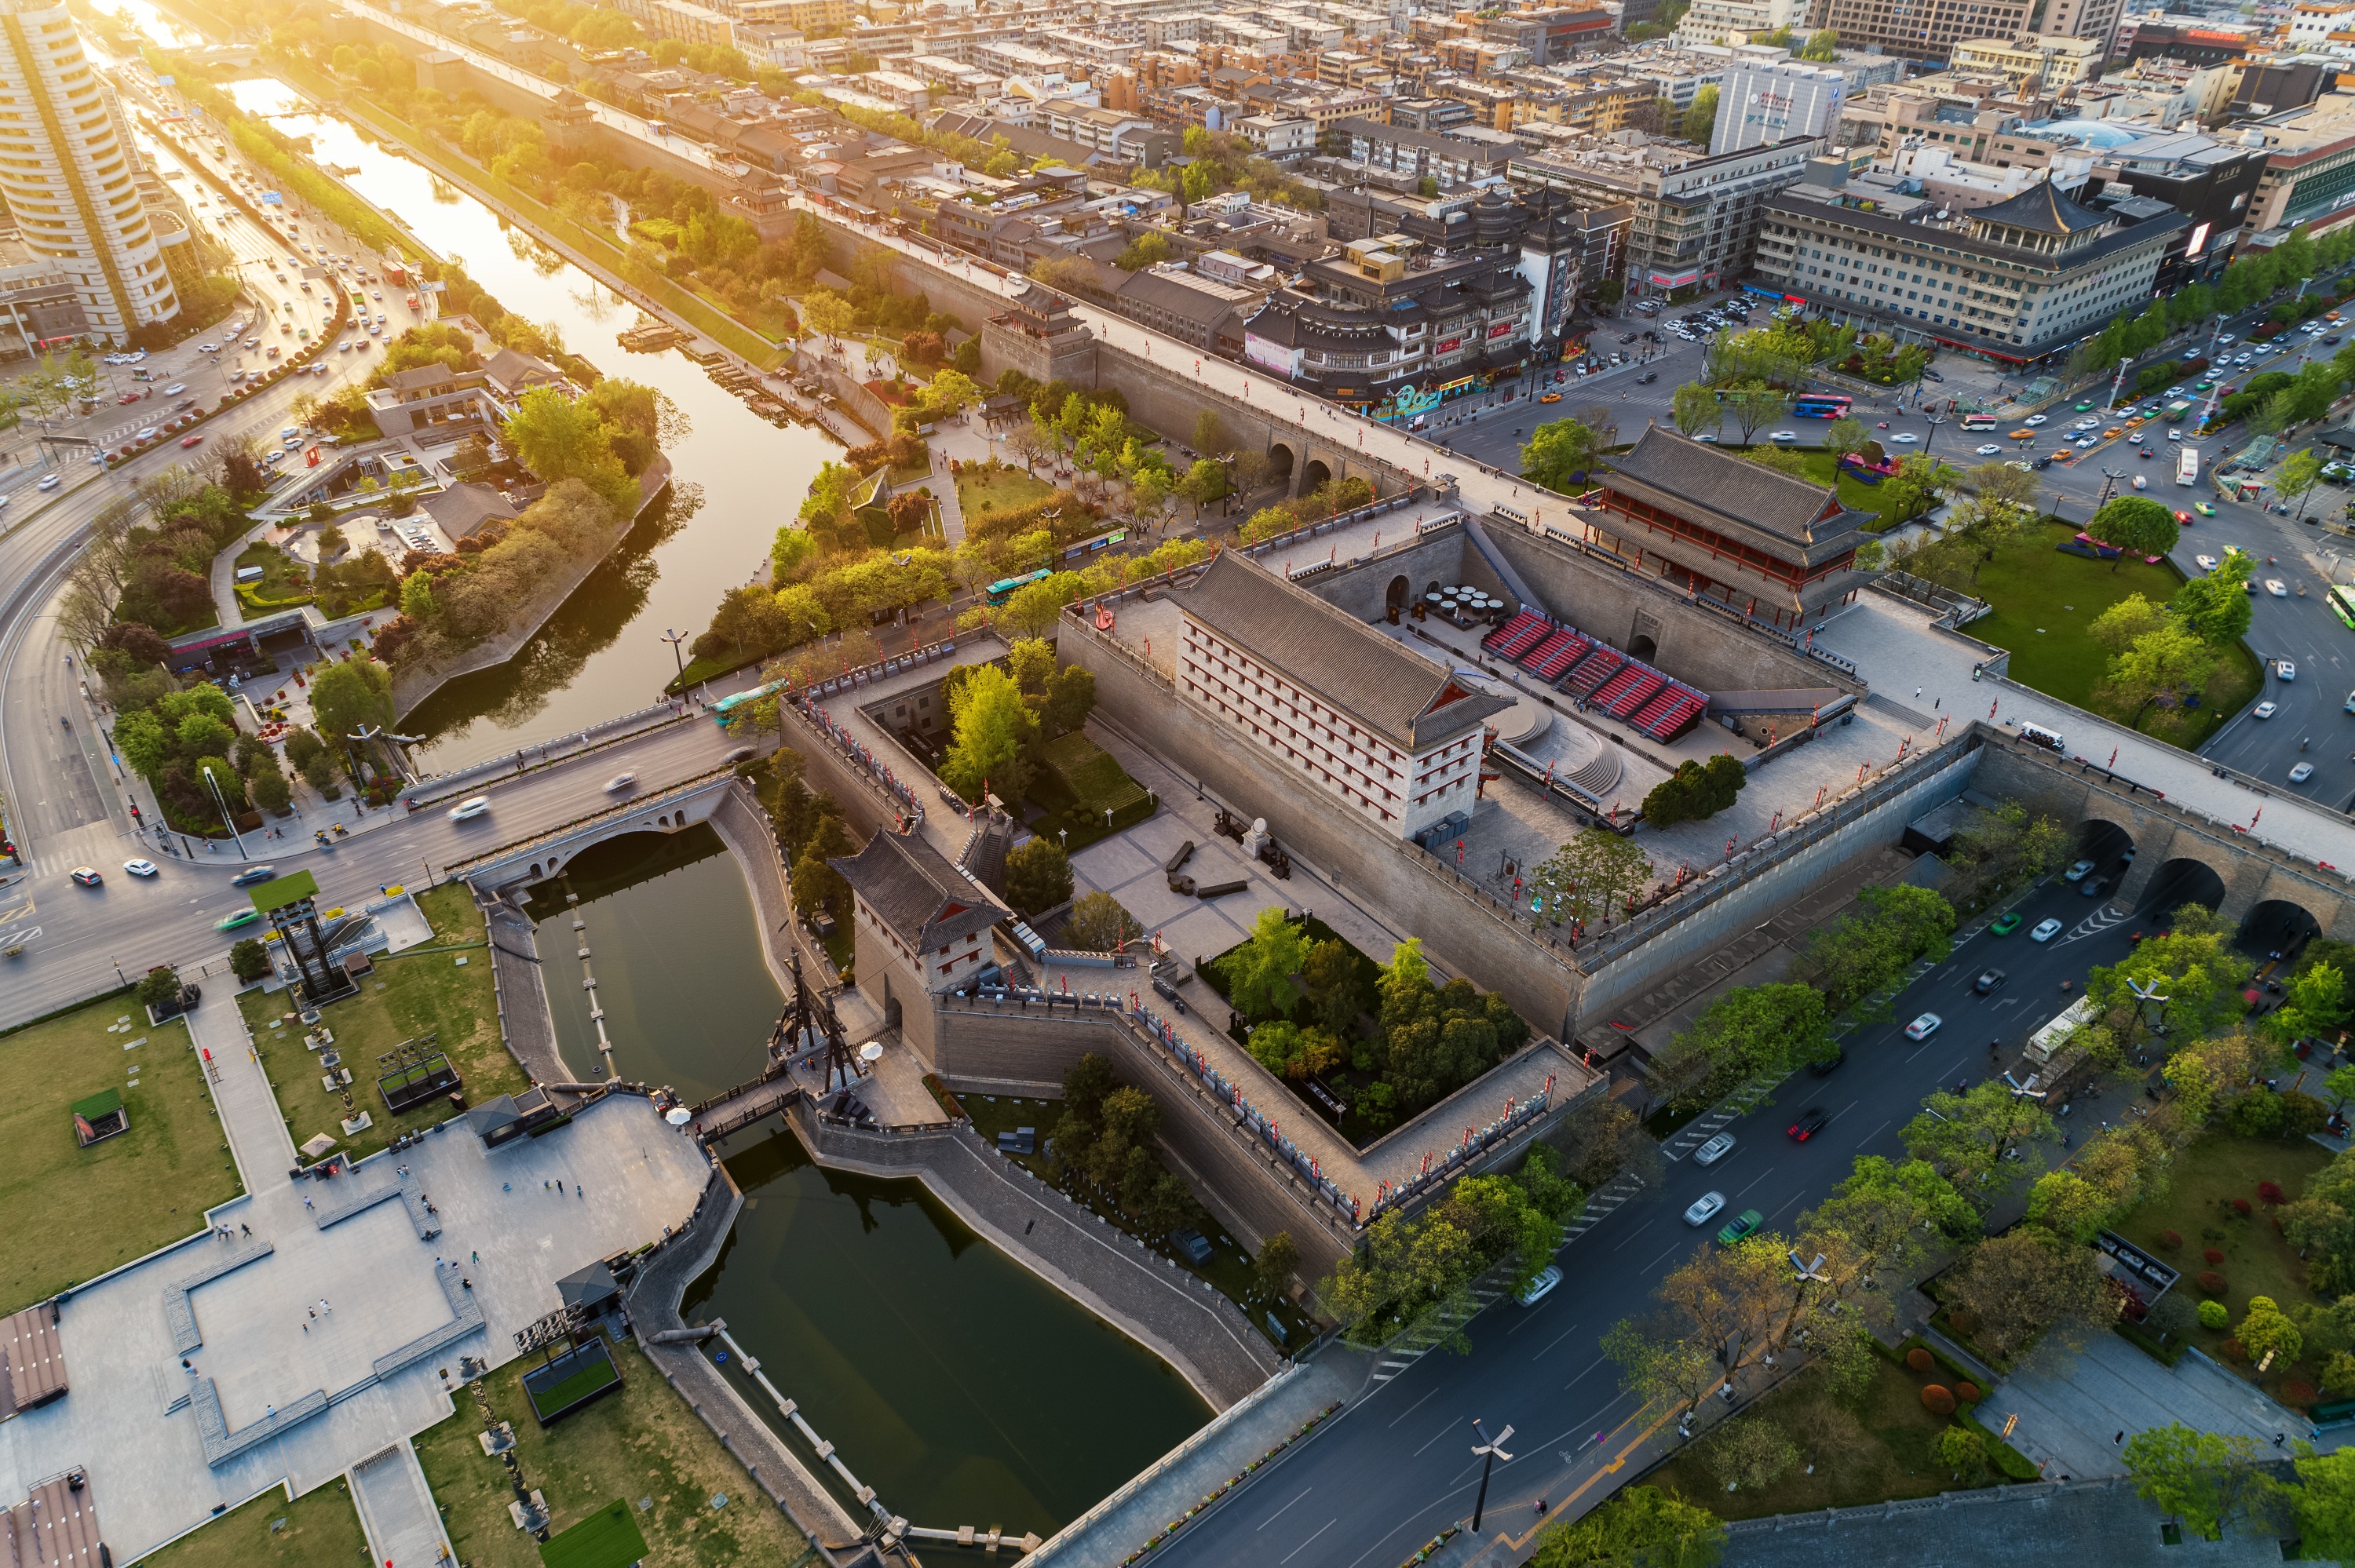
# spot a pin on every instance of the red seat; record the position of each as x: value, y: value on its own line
x: 1591, y: 672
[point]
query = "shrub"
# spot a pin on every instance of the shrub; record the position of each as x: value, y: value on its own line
x: 1968, y: 1393
x: 248, y: 961
x: 1919, y: 1360
x: 1937, y: 1399
x: 2271, y: 1192
x: 2299, y: 1393
x: 2213, y: 1257
x: 2240, y: 1207
x: 2212, y: 1282
x: 2172, y: 1238
x: 2213, y: 1314
x: 2235, y: 1351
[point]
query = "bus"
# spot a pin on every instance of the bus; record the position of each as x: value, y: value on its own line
x: 1820, y: 405
x: 2342, y: 600
x: 1979, y: 421
x: 2187, y: 465
x: 2049, y: 1039
x: 1003, y: 588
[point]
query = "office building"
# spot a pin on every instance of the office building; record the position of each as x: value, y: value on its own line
x: 1765, y: 102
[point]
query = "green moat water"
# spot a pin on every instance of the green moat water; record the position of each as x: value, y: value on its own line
x: 961, y: 1387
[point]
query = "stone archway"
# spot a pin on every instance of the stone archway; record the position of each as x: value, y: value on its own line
x: 1314, y: 476
x: 1644, y: 648
x: 2180, y: 881
x: 1280, y: 464
x: 2277, y: 925
x: 1394, y: 598
x: 890, y: 1010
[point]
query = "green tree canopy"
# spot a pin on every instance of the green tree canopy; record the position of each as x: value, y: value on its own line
x: 2211, y: 1481
x: 1559, y: 454
x: 2137, y: 526
x: 1259, y: 972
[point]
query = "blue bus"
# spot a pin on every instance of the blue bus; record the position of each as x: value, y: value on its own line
x: 1004, y: 589
x: 1820, y: 405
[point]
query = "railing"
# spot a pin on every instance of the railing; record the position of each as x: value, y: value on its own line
x: 442, y: 786
x: 899, y: 797
x: 1958, y: 609
x: 638, y: 808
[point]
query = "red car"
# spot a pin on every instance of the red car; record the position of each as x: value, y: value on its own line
x: 1811, y: 1122
x: 190, y: 440
x: 128, y: 398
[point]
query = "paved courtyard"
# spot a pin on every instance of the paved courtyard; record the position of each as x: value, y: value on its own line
x: 2073, y: 1405
x: 302, y: 1392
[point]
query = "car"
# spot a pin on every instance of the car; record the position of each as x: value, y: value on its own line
x: 231, y: 922
x: 207, y: 348
x: 49, y: 483
x: 1735, y: 1230
x: 1784, y: 437
x: 2141, y: 482
x: 146, y: 435
x: 2183, y: 519
x: 1715, y: 1149
x: 1989, y: 982
x: 1549, y: 396
x: 1811, y: 1121
x: 2045, y: 930
x: 2202, y: 508
x: 2301, y: 773
x: 252, y: 875
x: 2114, y: 432
x: 1705, y: 1208
x: 1904, y: 439
x: 1707, y: 435
x: 467, y: 810
x: 621, y: 781
x: 2097, y: 887
x: 740, y: 753
x: 2285, y: 669
x: 375, y: 293
x: 2265, y: 710
x: 2034, y: 419
x: 187, y: 441
x: 86, y: 875
x: 1537, y: 1290
x: 175, y: 388
x: 1990, y: 449
x: 1648, y: 378
x: 1826, y: 1067
x: 2042, y: 463
x: 140, y: 867
x: 2005, y: 923
x: 1923, y: 1027
x: 2205, y: 563
x: 2076, y: 872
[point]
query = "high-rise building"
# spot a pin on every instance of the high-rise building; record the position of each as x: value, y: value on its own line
x: 1765, y: 102
x: 69, y: 175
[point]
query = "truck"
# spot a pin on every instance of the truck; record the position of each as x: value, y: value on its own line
x: 2187, y: 465
x: 2053, y: 1035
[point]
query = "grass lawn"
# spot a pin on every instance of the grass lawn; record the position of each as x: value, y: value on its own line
x: 279, y: 586
x: 998, y: 490
x: 2197, y: 1206
x: 322, y: 1526
x: 124, y: 1197
x: 640, y: 1445
x: 1228, y: 1271
x: 1081, y: 782
x: 422, y: 992
x: 1869, y: 1450
x: 1823, y: 467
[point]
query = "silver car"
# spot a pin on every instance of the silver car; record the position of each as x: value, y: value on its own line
x: 1705, y: 1208
x: 1715, y: 1149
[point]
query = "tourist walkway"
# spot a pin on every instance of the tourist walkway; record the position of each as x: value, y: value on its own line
x: 2076, y: 1408
x: 250, y: 1119
x: 396, y: 1507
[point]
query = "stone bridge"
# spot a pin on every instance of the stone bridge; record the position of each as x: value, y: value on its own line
x: 544, y: 854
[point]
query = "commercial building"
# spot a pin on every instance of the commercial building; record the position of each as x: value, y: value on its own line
x: 2309, y: 174
x: 1185, y: 305
x: 1546, y: 33
x: 1767, y: 103
x: 1391, y: 734
x: 681, y: 19
x: 1724, y: 21
x: 1695, y: 216
x: 69, y: 176
x: 1450, y: 160
x: 2031, y: 66
x: 2015, y: 281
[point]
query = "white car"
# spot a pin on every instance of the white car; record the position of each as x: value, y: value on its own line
x: 1784, y: 436
x: 1537, y: 1290
x: 175, y: 388
x: 1715, y: 1149
x: 2301, y: 773
x: 2274, y: 586
x: 470, y: 808
x: 1923, y: 1027
x: 2265, y: 710
x: 2205, y: 563
x: 148, y: 867
x: 2223, y: 339
x: 1705, y: 1208
x: 49, y: 483
x: 621, y: 781
x: 1904, y: 439
x: 2285, y: 670
x: 1990, y: 449
x: 2045, y: 931
x: 2077, y: 872
x: 2033, y: 420
x: 148, y: 434
x: 2141, y: 483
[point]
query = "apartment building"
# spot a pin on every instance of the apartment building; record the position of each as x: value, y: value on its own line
x: 2032, y: 65
x: 1451, y: 160
x: 2013, y: 282
x: 681, y: 19
x: 1546, y: 33
x: 70, y: 175
x: 1734, y: 21
x: 1767, y: 102
x: 2309, y: 165
x: 1695, y: 216
x: 1923, y: 29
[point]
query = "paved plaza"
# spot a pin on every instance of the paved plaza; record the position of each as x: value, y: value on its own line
x: 326, y: 1326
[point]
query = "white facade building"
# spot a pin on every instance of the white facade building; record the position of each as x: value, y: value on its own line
x: 1765, y: 102
x: 1719, y: 21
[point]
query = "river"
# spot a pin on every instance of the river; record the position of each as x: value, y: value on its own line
x: 959, y: 1385
x: 737, y: 476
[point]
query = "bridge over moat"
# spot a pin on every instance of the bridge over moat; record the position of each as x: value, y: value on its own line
x: 544, y: 854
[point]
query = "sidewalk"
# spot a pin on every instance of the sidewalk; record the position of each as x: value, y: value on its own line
x: 396, y: 1511
x: 250, y: 1119
x: 2073, y: 1405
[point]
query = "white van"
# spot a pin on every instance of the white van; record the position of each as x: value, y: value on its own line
x: 2037, y: 734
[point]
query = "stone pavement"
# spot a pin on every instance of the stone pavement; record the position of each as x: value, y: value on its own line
x: 2072, y: 1404
x: 250, y: 1119
x: 2097, y: 1524
x: 396, y: 1509
x: 267, y: 1348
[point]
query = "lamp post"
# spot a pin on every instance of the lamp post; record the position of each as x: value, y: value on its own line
x: 1490, y: 1450
x: 675, y: 638
x: 221, y: 801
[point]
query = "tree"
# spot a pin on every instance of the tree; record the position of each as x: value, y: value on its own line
x: 1961, y: 1450
x: 350, y: 695
x: 248, y: 961
x: 1754, y: 405
x: 2264, y: 1329
x: 1749, y: 1032
x: 1845, y: 434
x: 2018, y: 1287
x: 1594, y: 876
x: 1038, y: 876
x: 1098, y: 924
x: 2128, y: 621
x: 2295, y: 477
x: 1643, y: 1527
x: 2161, y: 669
x: 1696, y: 409
x: 1259, y: 973
x: 558, y: 436
x: 1210, y: 436
x: 1037, y: 606
x: 1700, y: 117
x: 1695, y: 791
x: 2316, y: 1004
x: 991, y: 728
x: 1559, y: 455
x: 1965, y: 1137
x: 1862, y: 956
x: 2324, y: 1499
x: 1334, y: 986
x: 2136, y: 526
x: 1822, y: 45
x: 2211, y: 1481
x: 2217, y: 606
x: 1278, y: 1259
x: 1750, y: 1452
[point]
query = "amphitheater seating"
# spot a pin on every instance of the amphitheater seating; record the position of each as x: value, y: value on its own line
x: 1646, y: 699
x: 1557, y: 656
x: 1672, y: 711
x: 1626, y: 691
x: 1516, y: 636
x: 1594, y: 670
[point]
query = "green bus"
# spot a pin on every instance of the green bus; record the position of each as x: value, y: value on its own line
x: 2342, y: 599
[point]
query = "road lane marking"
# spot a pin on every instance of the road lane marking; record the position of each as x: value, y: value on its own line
x: 1411, y: 1409
x: 1270, y: 1519
x: 1305, y: 1544
x: 1869, y: 1137
x: 1591, y: 1366
x: 1435, y: 1437
x: 1639, y: 1230
x: 1755, y: 1180
x: 1558, y: 1338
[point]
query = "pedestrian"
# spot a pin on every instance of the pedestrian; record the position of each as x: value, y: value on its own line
x: 306, y: 1200
x: 2278, y: 1439
x: 247, y: 1229
x: 474, y: 1258
x: 326, y: 1311
x: 1917, y: 693
x: 2117, y: 1440
x: 576, y: 1189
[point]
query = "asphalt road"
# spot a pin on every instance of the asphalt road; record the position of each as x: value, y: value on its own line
x: 1395, y: 1468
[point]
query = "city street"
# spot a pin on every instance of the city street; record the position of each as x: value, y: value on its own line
x: 1396, y: 1468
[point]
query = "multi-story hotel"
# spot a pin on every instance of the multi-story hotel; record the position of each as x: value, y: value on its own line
x: 70, y: 177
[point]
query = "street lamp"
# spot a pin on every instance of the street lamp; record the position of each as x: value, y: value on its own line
x: 222, y: 802
x: 675, y: 638
x: 1490, y: 1450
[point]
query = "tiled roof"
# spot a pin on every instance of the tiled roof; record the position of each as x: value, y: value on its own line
x: 912, y: 888
x: 1697, y: 480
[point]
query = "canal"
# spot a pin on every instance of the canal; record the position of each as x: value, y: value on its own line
x: 736, y: 476
x: 958, y: 1384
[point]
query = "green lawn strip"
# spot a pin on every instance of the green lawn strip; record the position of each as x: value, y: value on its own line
x: 421, y: 992
x: 278, y: 587
x: 322, y: 1526
x: 1080, y: 784
x: 699, y: 671
x: 1000, y: 490
x: 2197, y: 1206
x: 126, y: 1195
x: 2045, y: 603
x: 642, y: 1443
x: 1872, y: 1450
x: 1228, y: 1271
x: 587, y: 1380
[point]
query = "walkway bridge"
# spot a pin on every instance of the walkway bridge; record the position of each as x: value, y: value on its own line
x: 544, y: 854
